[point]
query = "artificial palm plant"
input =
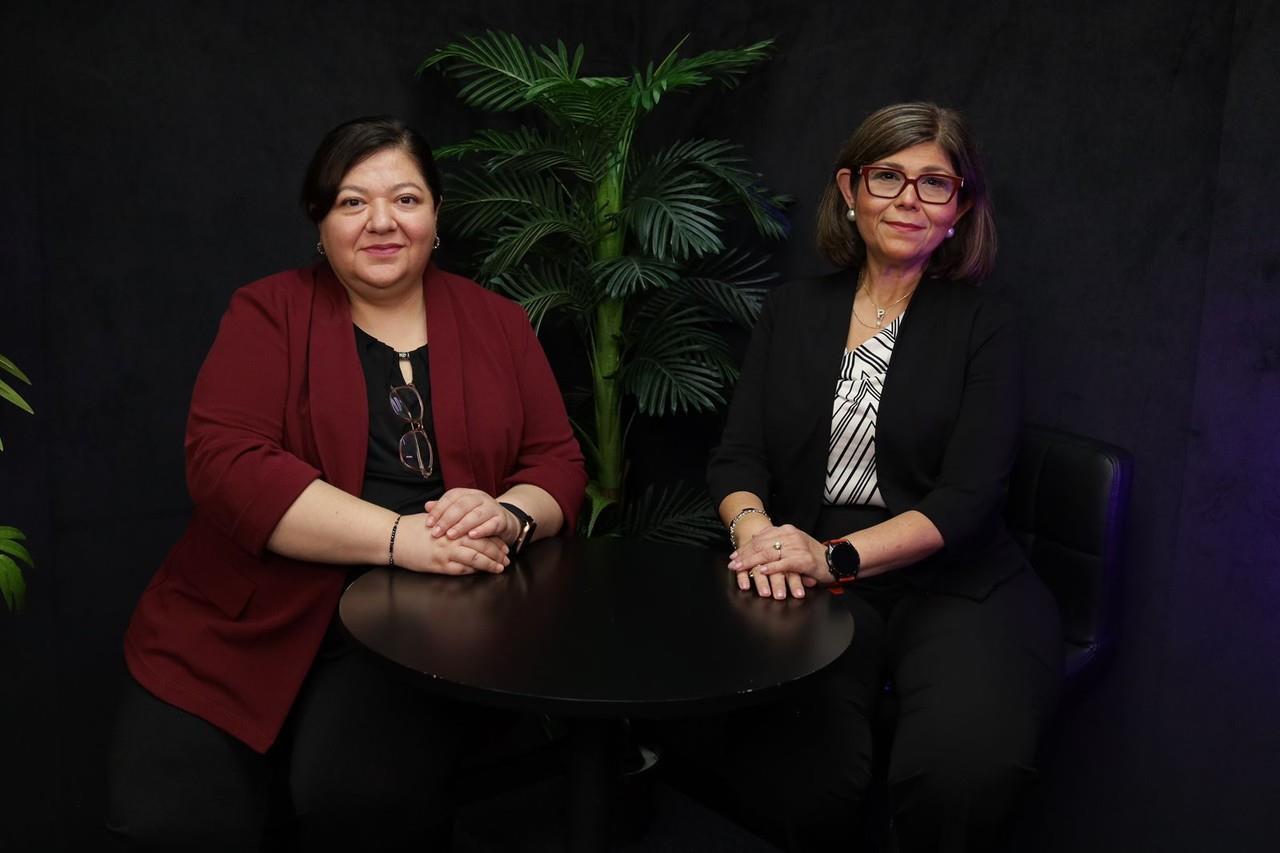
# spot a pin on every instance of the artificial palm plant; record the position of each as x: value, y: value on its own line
x: 570, y: 217
x: 12, y: 587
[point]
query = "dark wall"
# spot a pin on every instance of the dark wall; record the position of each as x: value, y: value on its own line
x: 150, y: 160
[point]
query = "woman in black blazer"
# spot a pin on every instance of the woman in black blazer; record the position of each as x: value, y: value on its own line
x: 869, y: 444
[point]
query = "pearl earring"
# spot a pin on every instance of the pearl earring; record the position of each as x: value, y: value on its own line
x: 850, y: 214
x: 951, y: 232
x: 320, y: 248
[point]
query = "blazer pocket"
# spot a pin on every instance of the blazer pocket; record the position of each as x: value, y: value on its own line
x: 213, y: 577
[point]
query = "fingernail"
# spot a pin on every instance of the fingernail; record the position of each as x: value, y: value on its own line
x: 453, y: 531
x: 733, y: 556
x: 779, y: 595
x: 799, y: 593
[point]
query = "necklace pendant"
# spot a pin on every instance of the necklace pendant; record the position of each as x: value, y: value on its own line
x: 879, y: 316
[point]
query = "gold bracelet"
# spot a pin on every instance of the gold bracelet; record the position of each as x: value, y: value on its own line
x: 733, y: 525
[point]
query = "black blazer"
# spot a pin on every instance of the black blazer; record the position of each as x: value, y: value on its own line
x: 946, y: 430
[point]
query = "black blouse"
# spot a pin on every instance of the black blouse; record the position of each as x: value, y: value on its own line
x: 387, y: 482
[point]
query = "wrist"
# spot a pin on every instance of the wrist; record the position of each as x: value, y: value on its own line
x: 524, y: 526
x: 510, y: 526
x: 746, y: 523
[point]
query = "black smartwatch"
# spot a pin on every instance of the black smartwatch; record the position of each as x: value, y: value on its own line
x: 843, y: 560
x: 527, y: 526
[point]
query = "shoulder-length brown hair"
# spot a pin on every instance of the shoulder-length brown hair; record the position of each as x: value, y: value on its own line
x: 970, y: 255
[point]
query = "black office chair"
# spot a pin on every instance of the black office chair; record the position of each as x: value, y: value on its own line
x: 1068, y: 507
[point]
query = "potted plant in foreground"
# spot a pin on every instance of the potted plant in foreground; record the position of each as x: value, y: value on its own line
x: 570, y: 217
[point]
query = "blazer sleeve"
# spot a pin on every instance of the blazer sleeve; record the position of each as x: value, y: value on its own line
x: 740, y: 462
x: 967, y: 501
x: 549, y: 456
x: 238, y: 473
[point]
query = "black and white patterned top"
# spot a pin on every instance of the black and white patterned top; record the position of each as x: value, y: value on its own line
x: 851, y: 454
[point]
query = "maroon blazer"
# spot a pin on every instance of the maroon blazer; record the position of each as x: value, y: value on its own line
x: 227, y: 630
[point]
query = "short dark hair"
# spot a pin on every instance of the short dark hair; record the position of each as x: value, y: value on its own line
x: 349, y: 143
x: 971, y: 254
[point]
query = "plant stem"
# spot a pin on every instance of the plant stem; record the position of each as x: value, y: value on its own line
x: 606, y: 358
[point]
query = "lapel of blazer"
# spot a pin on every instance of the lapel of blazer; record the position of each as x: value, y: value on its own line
x: 448, y: 380
x: 339, y: 405
x: 820, y: 329
x: 911, y: 347
x: 821, y: 349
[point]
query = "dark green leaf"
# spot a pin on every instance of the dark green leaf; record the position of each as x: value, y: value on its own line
x: 12, y: 585
x: 720, y: 161
x: 516, y: 241
x: 7, y: 393
x: 677, y: 365
x: 670, y: 211
x: 496, y: 70
x: 733, y: 282
x: 621, y: 277
x: 542, y: 286
x: 480, y: 202
x: 14, y: 548
x: 13, y: 369
x: 11, y: 533
x: 599, y: 502
x: 680, y: 512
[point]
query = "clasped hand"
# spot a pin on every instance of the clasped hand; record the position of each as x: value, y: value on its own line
x: 780, y: 560
x: 465, y: 531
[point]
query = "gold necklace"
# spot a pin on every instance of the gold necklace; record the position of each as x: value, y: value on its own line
x: 880, y: 310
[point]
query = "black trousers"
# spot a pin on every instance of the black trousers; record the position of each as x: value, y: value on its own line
x: 365, y: 763
x: 975, y: 685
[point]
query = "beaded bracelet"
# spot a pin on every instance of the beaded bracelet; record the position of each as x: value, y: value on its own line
x: 391, y: 549
x: 733, y: 525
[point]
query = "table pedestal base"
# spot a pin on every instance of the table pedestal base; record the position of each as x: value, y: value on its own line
x: 594, y: 769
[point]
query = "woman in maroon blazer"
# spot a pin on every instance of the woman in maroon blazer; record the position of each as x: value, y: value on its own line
x: 369, y: 410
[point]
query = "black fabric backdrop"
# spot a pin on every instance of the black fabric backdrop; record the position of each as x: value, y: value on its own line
x: 150, y: 159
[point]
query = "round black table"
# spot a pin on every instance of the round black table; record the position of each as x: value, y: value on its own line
x: 596, y: 630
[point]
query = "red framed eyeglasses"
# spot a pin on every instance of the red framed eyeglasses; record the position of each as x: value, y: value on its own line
x: 930, y: 187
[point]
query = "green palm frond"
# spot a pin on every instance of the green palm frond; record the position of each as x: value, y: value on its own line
x: 522, y: 150
x: 678, y: 364
x: 674, y: 72
x: 481, y: 201
x: 517, y: 240
x: 733, y: 282
x: 670, y: 210
x: 12, y: 585
x: 543, y: 286
x: 13, y: 370
x: 679, y: 512
x: 7, y: 391
x: 595, y: 103
x: 722, y: 162
x: 630, y: 274
x: 496, y: 70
